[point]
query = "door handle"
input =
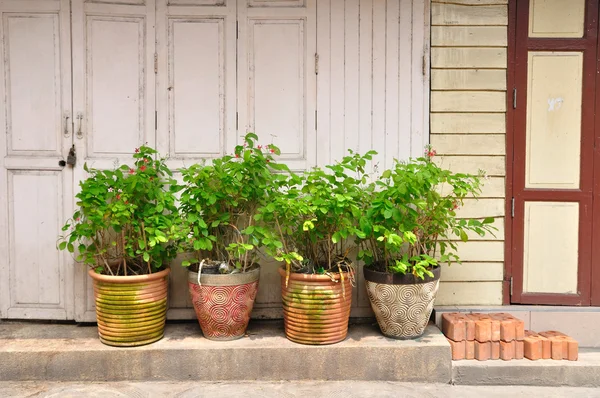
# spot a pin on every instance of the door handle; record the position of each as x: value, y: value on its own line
x: 79, y: 119
x: 66, y: 133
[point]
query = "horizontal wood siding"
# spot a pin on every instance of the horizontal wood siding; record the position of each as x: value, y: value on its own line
x: 468, y: 127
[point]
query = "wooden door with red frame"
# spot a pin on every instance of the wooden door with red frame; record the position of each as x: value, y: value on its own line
x: 553, y: 128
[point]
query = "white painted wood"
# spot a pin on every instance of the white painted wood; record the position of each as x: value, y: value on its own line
x: 492, y: 165
x: 468, y: 101
x: 475, y: 272
x: 379, y: 85
x: 552, y: 225
x: 277, y: 79
x: 472, y: 2
x: 553, y: 129
x: 481, y: 208
x: 196, y: 80
x: 457, y: 14
x: 468, y: 123
x: 365, y: 67
x: 421, y: 64
x: 469, y: 293
x: 556, y: 18
x: 397, y: 77
x: 468, y: 79
x: 469, y: 36
x: 484, y: 57
x: 455, y: 144
x: 113, y: 91
x: 35, y: 192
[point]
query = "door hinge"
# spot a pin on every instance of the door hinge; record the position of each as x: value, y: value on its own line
x: 511, y: 285
x: 316, y: 63
x: 155, y: 63
x: 512, y: 208
x: 514, y: 98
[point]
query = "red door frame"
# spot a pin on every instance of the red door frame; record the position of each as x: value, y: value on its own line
x: 518, y: 45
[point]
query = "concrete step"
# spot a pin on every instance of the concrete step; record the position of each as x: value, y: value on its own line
x: 582, y: 373
x: 38, y: 352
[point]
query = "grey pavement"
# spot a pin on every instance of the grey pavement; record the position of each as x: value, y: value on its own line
x: 303, y: 389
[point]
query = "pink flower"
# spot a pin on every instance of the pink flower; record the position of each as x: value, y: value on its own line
x: 272, y: 150
x: 137, y: 150
x: 118, y: 196
x: 260, y: 147
x: 431, y: 153
x: 77, y: 219
x: 146, y: 160
x: 126, y: 202
x: 110, y: 189
x: 143, y: 168
x: 131, y: 171
x: 237, y: 155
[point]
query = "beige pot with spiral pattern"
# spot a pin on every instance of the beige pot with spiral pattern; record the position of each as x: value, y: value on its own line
x: 402, y: 303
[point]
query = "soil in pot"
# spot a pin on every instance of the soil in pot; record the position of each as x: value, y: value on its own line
x: 402, y: 303
x: 316, y: 308
x: 223, y: 302
x: 130, y: 310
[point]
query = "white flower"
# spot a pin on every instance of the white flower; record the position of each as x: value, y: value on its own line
x: 110, y: 189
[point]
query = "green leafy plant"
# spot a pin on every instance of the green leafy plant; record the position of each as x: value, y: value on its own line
x: 409, y: 222
x: 316, y: 216
x: 127, y: 222
x: 219, y: 202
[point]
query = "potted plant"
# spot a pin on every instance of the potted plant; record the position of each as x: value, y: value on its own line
x: 410, y: 227
x: 315, y: 217
x: 126, y: 229
x: 219, y: 202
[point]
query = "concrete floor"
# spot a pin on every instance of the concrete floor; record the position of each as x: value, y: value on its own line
x: 281, y: 390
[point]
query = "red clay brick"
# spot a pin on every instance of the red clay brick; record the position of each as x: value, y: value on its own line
x: 573, y: 350
x: 483, y: 351
x: 495, y: 350
x: 534, y: 345
x: 453, y: 326
x: 470, y: 349
x: 483, y: 327
x: 562, y: 346
x: 519, y: 329
x: 470, y: 326
x: 458, y: 349
x: 507, y: 351
x: 519, y: 349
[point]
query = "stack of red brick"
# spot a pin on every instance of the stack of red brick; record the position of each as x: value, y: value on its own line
x: 484, y: 336
x: 502, y: 336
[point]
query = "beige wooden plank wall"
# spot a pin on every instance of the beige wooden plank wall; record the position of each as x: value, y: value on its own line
x: 468, y: 105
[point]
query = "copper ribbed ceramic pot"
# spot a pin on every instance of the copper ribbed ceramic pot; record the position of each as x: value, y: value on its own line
x: 315, y: 308
x: 223, y: 302
x: 131, y: 310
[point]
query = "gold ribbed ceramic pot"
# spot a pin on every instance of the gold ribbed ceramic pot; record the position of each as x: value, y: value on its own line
x: 131, y: 310
x: 315, y: 308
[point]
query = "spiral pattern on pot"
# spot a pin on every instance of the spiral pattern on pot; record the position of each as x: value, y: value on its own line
x: 402, y: 311
x: 223, y: 311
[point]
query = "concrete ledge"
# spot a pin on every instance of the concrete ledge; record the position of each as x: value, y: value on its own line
x: 72, y: 353
x: 583, y: 373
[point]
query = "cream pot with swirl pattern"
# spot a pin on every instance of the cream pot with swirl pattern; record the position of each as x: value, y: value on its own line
x: 409, y: 227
